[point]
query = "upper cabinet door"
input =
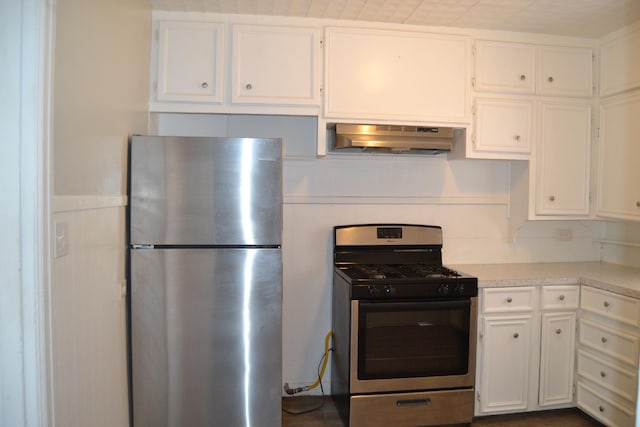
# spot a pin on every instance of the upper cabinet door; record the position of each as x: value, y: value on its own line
x: 276, y: 65
x: 505, y: 67
x: 396, y: 75
x: 565, y: 71
x: 620, y: 63
x: 503, y: 128
x: 190, y: 61
x: 563, y: 159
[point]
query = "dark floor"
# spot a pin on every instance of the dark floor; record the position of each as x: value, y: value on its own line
x: 328, y: 417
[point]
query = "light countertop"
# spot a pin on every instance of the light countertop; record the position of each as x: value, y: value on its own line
x: 611, y: 277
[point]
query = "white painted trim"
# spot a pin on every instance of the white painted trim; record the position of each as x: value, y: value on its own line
x: 391, y: 200
x: 619, y: 243
x: 80, y: 203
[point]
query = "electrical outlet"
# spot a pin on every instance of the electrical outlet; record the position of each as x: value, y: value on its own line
x: 123, y: 288
x: 62, y: 239
x: 564, y: 234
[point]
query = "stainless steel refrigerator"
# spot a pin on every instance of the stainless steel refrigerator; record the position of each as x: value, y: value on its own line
x: 205, y: 267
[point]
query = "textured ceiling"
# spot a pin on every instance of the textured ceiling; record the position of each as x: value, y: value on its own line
x: 582, y: 18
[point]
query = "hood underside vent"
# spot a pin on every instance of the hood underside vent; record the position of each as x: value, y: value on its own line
x: 394, y: 138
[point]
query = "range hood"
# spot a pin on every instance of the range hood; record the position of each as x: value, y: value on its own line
x: 394, y: 138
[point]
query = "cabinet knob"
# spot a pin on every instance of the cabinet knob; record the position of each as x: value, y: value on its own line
x: 558, y: 331
x: 601, y: 408
x: 516, y: 335
x: 603, y: 374
x: 606, y: 304
x: 523, y: 77
x: 552, y: 198
x: 638, y: 204
x: 516, y: 138
x: 604, y: 339
x: 248, y: 86
x: 204, y: 85
x: 561, y: 297
x: 550, y: 79
x: 509, y: 299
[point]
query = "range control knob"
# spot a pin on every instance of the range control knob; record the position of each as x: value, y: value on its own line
x: 443, y: 290
x: 373, y: 291
x: 459, y: 289
x: 389, y: 290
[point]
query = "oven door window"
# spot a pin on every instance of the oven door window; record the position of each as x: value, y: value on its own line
x: 413, y: 339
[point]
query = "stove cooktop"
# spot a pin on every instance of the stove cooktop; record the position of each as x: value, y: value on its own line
x: 377, y: 281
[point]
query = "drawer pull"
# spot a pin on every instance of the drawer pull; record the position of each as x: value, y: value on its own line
x: 516, y: 335
x: 414, y: 402
x: 603, y: 374
x: 601, y: 408
x: 606, y: 304
x: 558, y: 331
x: 604, y: 339
x: 509, y: 299
x: 561, y: 297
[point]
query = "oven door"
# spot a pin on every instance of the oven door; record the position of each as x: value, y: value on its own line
x: 412, y: 345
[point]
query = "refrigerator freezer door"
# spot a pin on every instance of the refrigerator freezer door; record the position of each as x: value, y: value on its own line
x: 205, y: 191
x: 206, y: 337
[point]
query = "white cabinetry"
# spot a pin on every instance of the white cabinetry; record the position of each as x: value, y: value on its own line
x: 190, y: 61
x: 562, y: 159
x: 526, y: 348
x: 396, y: 75
x: 620, y: 63
x: 608, y: 356
x: 502, y: 128
x: 529, y: 69
x: 619, y: 174
x: 275, y: 65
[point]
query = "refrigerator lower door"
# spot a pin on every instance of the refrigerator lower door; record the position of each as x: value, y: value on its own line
x: 206, y: 337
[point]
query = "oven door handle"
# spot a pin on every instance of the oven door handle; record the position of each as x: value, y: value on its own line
x: 414, y: 305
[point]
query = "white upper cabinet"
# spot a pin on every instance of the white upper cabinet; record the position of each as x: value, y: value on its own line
x: 502, y: 128
x: 505, y: 67
x: 565, y: 71
x: 190, y: 61
x: 620, y: 62
x: 529, y: 69
x: 396, y: 75
x: 562, y: 159
x: 619, y: 174
x: 276, y: 65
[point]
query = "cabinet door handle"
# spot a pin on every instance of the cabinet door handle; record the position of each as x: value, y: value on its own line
x: 248, y: 86
x: 552, y: 198
x: 604, y: 340
x: 601, y: 408
x: 523, y: 77
x: 603, y: 374
x: 638, y: 204
x: 509, y: 299
x: 204, y: 85
x: 516, y: 138
x: 558, y: 331
x: 516, y: 335
x: 606, y: 304
x: 561, y: 297
x: 550, y: 79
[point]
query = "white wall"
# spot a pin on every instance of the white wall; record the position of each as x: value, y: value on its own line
x: 100, y: 98
x: 468, y: 198
x: 621, y: 244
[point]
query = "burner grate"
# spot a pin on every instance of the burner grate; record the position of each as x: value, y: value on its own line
x: 398, y: 271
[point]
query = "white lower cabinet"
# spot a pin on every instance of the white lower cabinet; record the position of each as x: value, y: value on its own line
x: 609, y: 348
x: 526, y: 348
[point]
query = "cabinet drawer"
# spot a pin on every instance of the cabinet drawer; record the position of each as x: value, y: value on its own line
x: 603, y: 408
x: 612, y: 342
x: 507, y: 300
x: 614, y: 306
x: 560, y: 297
x: 620, y: 381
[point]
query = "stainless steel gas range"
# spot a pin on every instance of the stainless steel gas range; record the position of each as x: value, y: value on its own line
x: 404, y: 329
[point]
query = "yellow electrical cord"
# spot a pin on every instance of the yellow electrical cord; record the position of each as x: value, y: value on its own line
x: 324, y: 363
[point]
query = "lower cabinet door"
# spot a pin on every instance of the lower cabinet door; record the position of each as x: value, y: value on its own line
x: 557, y: 358
x: 506, y: 352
